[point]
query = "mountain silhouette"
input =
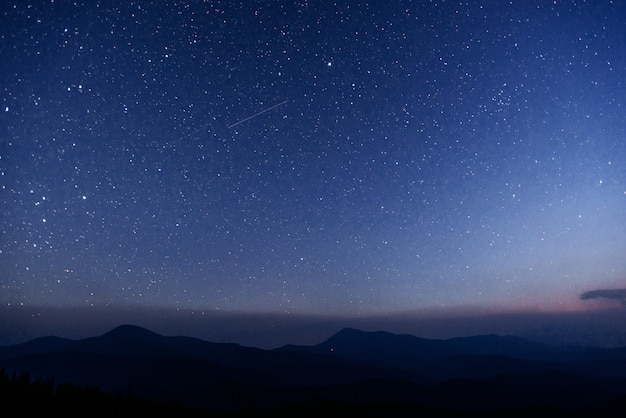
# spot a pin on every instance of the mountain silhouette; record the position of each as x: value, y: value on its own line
x: 481, y: 372
x: 38, y: 345
x: 479, y: 356
x: 368, y: 345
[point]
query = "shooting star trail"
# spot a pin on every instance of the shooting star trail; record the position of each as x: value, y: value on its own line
x: 256, y: 114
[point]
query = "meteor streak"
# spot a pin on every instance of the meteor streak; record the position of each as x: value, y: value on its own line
x: 256, y: 114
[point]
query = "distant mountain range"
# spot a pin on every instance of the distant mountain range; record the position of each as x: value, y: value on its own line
x: 363, y: 368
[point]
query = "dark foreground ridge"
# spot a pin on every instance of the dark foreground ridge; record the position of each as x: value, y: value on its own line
x: 353, y: 371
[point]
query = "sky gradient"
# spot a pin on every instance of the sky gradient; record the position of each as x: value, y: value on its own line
x: 313, y: 158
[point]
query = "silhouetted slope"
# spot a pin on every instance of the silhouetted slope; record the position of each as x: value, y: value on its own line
x: 132, y: 358
x: 476, y: 357
x: 483, y: 372
x: 481, y: 356
x: 38, y: 345
x: 384, y: 346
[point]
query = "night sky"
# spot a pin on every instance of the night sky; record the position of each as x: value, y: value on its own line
x: 312, y: 157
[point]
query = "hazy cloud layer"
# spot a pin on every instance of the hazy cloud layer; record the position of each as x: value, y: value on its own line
x: 616, y: 294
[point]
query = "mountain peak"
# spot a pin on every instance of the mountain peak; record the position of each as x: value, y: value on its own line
x: 125, y: 340
x: 128, y: 330
x: 350, y: 332
x: 357, y: 336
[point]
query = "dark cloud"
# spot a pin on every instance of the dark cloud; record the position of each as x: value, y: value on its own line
x: 616, y: 294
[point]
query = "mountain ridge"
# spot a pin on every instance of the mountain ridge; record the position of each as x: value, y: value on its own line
x: 350, y: 365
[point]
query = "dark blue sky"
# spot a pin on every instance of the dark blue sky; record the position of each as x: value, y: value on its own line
x: 336, y: 158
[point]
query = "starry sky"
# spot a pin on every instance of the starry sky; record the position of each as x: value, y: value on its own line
x: 312, y: 157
